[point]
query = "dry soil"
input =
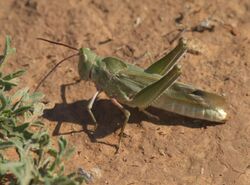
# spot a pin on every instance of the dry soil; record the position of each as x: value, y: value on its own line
x: 175, y: 151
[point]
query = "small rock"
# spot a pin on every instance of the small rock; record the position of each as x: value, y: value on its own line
x: 87, y: 176
x: 162, y: 152
x: 96, y: 172
x: 137, y: 22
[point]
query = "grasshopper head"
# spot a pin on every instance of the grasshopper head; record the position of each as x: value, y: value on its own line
x: 87, y: 61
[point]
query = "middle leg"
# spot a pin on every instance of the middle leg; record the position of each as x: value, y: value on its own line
x: 126, y: 114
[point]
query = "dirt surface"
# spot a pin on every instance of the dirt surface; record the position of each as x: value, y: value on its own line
x: 176, y: 151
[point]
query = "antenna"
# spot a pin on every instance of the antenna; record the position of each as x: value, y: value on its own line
x: 47, y: 75
x: 57, y: 43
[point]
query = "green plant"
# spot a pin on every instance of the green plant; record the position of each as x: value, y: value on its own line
x: 33, y: 160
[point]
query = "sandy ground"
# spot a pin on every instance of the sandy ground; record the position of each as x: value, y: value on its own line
x: 176, y: 151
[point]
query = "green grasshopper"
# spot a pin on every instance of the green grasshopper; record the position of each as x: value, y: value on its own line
x: 156, y: 86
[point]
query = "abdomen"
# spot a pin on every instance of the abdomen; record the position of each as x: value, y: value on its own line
x: 195, y: 103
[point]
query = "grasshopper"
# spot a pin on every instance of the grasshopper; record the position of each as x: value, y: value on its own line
x: 156, y: 86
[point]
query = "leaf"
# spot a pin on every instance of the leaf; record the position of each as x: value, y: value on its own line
x: 62, y: 145
x: 38, y: 109
x: 41, y: 138
x: 37, y: 124
x: 28, y: 116
x: 10, y: 166
x: 36, y: 97
x: 14, y: 75
x: 22, y: 110
x: 3, y: 100
x: 53, y: 152
x: 19, y: 95
x: 21, y: 170
x: 1, y: 59
x: 4, y: 145
x: 62, y: 180
x: 7, y: 50
x: 7, y: 85
x: 22, y: 127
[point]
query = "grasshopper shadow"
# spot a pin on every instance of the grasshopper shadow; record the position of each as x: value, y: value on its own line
x: 109, y: 117
x: 105, y: 112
